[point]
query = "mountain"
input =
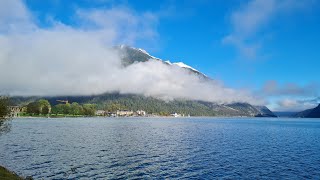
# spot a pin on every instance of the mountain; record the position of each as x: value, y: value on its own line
x: 309, y: 113
x: 315, y: 113
x: 130, y: 55
x: 240, y: 109
x: 264, y: 112
x: 156, y: 106
x: 303, y: 114
x: 284, y: 114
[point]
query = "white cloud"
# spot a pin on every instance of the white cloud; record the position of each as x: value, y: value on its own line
x: 126, y: 25
x: 272, y: 88
x: 292, y: 105
x: 13, y: 16
x: 249, y: 21
x: 288, y: 97
x: 65, y: 60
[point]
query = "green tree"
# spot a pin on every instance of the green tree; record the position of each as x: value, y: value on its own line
x: 33, y: 108
x: 89, y: 109
x: 4, y: 107
x: 66, y: 108
x: 44, y: 106
x: 61, y: 109
x: 45, y: 110
x: 113, y: 107
x: 76, y: 109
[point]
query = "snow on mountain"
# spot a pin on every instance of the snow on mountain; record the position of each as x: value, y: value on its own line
x: 144, y: 51
x: 147, y: 55
x: 180, y: 64
x: 183, y: 65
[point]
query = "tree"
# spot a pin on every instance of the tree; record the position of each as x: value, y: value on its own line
x: 33, y: 108
x: 89, y: 109
x: 76, y: 109
x: 113, y: 107
x: 44, y: 106
x: 45, y: 110
x: 4, y: 107
x: 66, y: 108
x: 59, y: 109
x: 39, y: 107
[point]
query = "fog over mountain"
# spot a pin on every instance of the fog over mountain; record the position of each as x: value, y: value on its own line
x: 64, y: 60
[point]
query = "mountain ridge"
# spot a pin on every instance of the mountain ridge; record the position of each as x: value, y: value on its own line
x: 130, y: 55
x: 309, y: 113
x: 158, y: 106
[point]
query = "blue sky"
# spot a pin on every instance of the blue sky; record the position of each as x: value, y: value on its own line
x: 193, y: 32
x: 269, y: 47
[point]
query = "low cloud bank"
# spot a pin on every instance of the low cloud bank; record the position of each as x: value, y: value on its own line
x: 291, y: 96
x: 297, y: 105
x: 273, y: 88
x: 64, y: 60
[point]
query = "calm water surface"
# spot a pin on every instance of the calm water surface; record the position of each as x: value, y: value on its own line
x: 167, y: 148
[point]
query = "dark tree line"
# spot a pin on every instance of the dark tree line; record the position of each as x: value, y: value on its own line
x: 74, y: 109
x: 4, y: 107
x: 115, y: 101
x: 41, y: 106
x: 110, y: 103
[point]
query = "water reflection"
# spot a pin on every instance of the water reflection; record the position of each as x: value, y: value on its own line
x: 5, y: 126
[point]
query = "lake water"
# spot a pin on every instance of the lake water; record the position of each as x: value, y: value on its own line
x: 163, y: 148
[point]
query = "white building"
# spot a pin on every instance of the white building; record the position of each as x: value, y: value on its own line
x: 100, y: 113
x: 176, y: 115
x: 141, y: 113
x: 14, y: 111
x: 124, y: 113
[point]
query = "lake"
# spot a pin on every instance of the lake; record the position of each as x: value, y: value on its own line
x: 162, y: 148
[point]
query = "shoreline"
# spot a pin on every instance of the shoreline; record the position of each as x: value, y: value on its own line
x: 166, y: 117
x: 10, y: 175
x: 134, y: 117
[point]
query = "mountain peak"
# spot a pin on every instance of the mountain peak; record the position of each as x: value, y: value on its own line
x: 144, y: 51
x: 131, y: 54
x: 183, y: 65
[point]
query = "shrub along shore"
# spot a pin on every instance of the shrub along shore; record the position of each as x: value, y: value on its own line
x: 5, y: 174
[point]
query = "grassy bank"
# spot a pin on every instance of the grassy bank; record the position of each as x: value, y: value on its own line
x: 5, y: 174
x: 49, y: 115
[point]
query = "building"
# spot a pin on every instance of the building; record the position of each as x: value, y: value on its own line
x: 124, y: 113
x: 141, y: 113
x: 111, y: 114
x: 100, y: 113
x: 14, y: 111
x: 176, y: 115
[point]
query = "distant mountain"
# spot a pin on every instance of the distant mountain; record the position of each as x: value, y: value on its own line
x: 302, y: 114
x: 264, y: 112
x: 130, y: 55
x: 157, y: 106
x: 242, y: 109
x: 315, y: 113
x: 309, y: 113
x: 284, y: 114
